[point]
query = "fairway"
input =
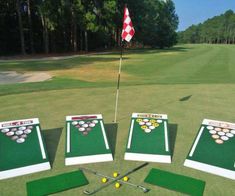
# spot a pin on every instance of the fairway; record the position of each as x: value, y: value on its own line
x: 182, y: 64
x: 188, y: 83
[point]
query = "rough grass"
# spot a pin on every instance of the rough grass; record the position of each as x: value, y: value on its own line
x: 202, y: 96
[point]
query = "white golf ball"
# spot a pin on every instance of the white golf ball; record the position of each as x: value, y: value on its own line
x: 146, y: 120
x: 91, y: 124
x: 210, y: 127
x: 221, y: 133
x: 21, y: 128
x: 19, y: 132
x: 147, y: 130
x: 81, y: 129
x: 229, y: 134
x: 81, y: 122
x: 27, y: 131
x: 20, y: 140
x: 141, y: 123
x: 151, y: 127
x: 74, y: 123
x: 148, y: 123
x: 232, y: 131
x: 5, y: 130
x: 225, y: 138
x: 218, y: 129
x: 212, y: 132
x: 85, y: 125
x: 95, y: 121
x: 10, y: 133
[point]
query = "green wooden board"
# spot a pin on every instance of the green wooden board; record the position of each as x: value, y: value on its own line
x: 213, y: 149
x: 22, y: 148
x: 86, y: 144
x: 148, y: 138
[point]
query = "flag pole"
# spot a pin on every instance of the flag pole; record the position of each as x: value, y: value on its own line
x: 118, y: 83
x: 127, y: 33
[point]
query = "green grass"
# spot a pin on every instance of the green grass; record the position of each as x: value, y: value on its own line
x: 203, y: 73
x: 184, y: 64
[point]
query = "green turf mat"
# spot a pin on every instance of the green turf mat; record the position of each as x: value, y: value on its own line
x: 183, y: 184
x: 54, y: 184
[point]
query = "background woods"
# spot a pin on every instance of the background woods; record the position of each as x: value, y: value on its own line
x: 217, y: 30
x: 44, y: 26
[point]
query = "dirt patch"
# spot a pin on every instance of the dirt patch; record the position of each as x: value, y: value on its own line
x: 93, y: 73
x: 11, y: 77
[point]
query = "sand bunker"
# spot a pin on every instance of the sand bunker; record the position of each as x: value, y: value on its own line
x: 10, y: 77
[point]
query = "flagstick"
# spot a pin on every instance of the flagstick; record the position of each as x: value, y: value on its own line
x: 118, y: 84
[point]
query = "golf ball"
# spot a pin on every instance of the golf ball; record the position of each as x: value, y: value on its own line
x: 104, y: 180
x: 115, y: 174
x: 117, y: 185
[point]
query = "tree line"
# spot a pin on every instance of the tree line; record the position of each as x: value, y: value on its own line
x: 217, y: 30
x: 44, y: 26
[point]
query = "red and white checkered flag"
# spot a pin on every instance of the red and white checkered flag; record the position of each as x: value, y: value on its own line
x: 128, y: 30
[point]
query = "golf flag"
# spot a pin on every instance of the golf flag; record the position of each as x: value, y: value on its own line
x: 128, y: 30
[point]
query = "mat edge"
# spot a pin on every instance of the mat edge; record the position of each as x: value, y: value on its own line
x: 88, y: 159
x: 210, y: 169
x: 147, y: 157
x: 24, y: 170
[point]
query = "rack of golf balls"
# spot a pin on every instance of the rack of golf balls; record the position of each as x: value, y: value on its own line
x: 18, y: 134
x: 219, y: 134
x: 85, y: 126
x: 148, y: 125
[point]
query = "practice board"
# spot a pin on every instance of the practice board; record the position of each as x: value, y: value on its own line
x: 22, y: 149
x: 213, y: 149
x: 148, y: 138
x: 86, y: 140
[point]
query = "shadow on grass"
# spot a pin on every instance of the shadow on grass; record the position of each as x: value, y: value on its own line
x: 50, y: 65
x: 179, y: 49
x: 186, y: 98
x: 156, y: 50
x: 52, y: 138
x: 111, y: 131
x: 172, y: 137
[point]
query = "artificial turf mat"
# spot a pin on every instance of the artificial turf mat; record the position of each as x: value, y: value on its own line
x: 54, y: 184
x: 183, y: 184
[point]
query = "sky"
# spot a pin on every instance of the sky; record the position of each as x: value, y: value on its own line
x: 197, y: 11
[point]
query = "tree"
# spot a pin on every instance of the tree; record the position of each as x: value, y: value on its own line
x: 168, y: 22
x: 66, y: 25
x: 217, y: 30
x: 157, y: 23
x: 20, y: 26
x: 30, y: 26
x: 48, y: 15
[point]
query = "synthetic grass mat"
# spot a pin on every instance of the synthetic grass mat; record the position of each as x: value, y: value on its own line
x: 183, y: 184
x: 54, y: 184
